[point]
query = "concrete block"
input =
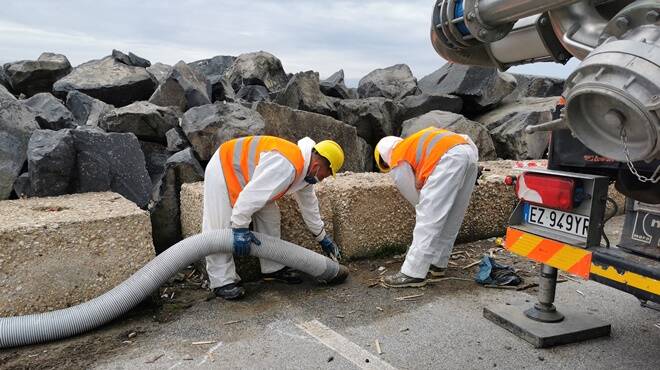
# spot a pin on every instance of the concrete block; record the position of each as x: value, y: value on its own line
x: 58, y: 252
x: 367, y: 216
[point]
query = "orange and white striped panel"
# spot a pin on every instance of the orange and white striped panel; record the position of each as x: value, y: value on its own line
x: 565, y: 257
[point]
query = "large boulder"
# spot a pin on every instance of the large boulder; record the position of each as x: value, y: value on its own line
x: 31, y: 77
x: 258, y: 68
x: 176, y: 140
x: 130, y: 59
x: 170, y: 94
x: 108, y: 80
x: 372, y: 117
x: 17, y: 122
x: 480, y: 87
x: 335, y: 87
x: 4, y: 82
x: 159, y: 71
x: 416, y: 105
x: 456, y: 123
x: 214, y: 70
x: 303, y: 92
x: 51, y: 163
x: 147, y: 121
x: 294, y: 125
x: 179, y: 169
x: 506, y: 125
x: 208, y: 126
x: 86, y: 110
x: 535, y: 87
x: 5, y: 94
x: 49, y: 112
x: 395, y: 82
x: 194, y: 84
x: 155, y: 156
x: 110, y: 162
x: 253, y: 93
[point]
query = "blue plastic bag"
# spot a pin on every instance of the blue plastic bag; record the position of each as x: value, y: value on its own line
x: 493, y: 273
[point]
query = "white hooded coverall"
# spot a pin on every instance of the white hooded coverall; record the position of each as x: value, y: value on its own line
x: 272, y: 175
x: 439, y: 206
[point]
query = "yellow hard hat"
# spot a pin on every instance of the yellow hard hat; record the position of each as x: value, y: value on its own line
x: 331, y: 151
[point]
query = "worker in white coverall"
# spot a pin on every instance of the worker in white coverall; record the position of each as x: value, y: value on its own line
x: 243, y: 180
x: 435, y: 170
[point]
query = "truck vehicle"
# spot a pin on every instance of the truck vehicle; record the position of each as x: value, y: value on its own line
x: 606, y: 130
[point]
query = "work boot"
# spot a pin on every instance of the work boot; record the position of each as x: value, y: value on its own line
x: 401, y: 280
x: 230, y: 291
x: 285, y: 275
x: 437, y: 272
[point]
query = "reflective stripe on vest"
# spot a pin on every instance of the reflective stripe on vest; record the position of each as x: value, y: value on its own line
x: 424, y: 149
x: 239, y: 158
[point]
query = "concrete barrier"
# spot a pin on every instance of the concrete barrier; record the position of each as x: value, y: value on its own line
x: 60, y: 251
x: 367, y: 216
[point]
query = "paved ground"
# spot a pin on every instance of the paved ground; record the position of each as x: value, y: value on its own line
x: 312, y: 326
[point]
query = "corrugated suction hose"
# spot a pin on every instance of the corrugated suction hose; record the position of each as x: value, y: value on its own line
x: 43, y: 327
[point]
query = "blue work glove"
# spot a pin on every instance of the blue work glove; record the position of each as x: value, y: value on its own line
x: 330, y: 248
x: 243, y: 239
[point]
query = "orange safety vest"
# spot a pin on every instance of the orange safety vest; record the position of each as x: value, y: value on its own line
x: 423, y: 150
x: 239, y: 158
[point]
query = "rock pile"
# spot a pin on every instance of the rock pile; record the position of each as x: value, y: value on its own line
x: 123, y: 124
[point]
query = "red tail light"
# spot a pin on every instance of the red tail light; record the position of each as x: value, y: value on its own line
x: 546, y: 190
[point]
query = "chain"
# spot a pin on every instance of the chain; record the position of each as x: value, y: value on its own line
x: 655, y: 178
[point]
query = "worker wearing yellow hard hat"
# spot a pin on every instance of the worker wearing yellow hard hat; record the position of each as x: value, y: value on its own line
x: 242, y: 182
x: 435, y: 170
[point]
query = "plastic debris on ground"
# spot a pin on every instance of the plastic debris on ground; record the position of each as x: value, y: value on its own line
x: 493, y: 273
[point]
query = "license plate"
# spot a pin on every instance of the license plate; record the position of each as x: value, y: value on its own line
x: 565, y: 222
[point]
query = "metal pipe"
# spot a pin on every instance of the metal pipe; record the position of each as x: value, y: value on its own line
x: 578, y: 27
x: 496, y: 12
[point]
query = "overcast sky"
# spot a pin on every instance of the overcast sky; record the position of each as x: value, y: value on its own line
x: 356, y: 35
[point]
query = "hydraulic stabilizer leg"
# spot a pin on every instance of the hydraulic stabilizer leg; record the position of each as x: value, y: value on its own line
x: 544, y: 310
x: 542, y: 325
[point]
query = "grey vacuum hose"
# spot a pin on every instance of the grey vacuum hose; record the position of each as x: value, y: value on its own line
x: 43, y: 327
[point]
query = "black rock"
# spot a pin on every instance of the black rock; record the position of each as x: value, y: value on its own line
x: 49, y: 111
x: 180, y: 168
x: 31, y: 77
x: 51, y: 162
x: 334, y: 86
x: 170, y: 94
x: 5, y: 94
x: 480, y: 87
x: 160, y: 71
x: 22, y: 187
x: 221, y: 89
x: 213, y: 67
x: 176, y: 140
x: 147, y: 121
x: 207, y: 126
x: 194, y: 84
x: 17, y: 122
x: 110, y: 162
x: 416, y: 105
x: 303, y: 92
x: 108, y: 80
x: 535, y: 86
x: 85, y: 109
x: 253, y: 93
x: 395, y: 82
x: 259, y: 68
x: 130, y: 59
x: 155, y: 156
x: 138, y: 61
x: 373, y: 118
